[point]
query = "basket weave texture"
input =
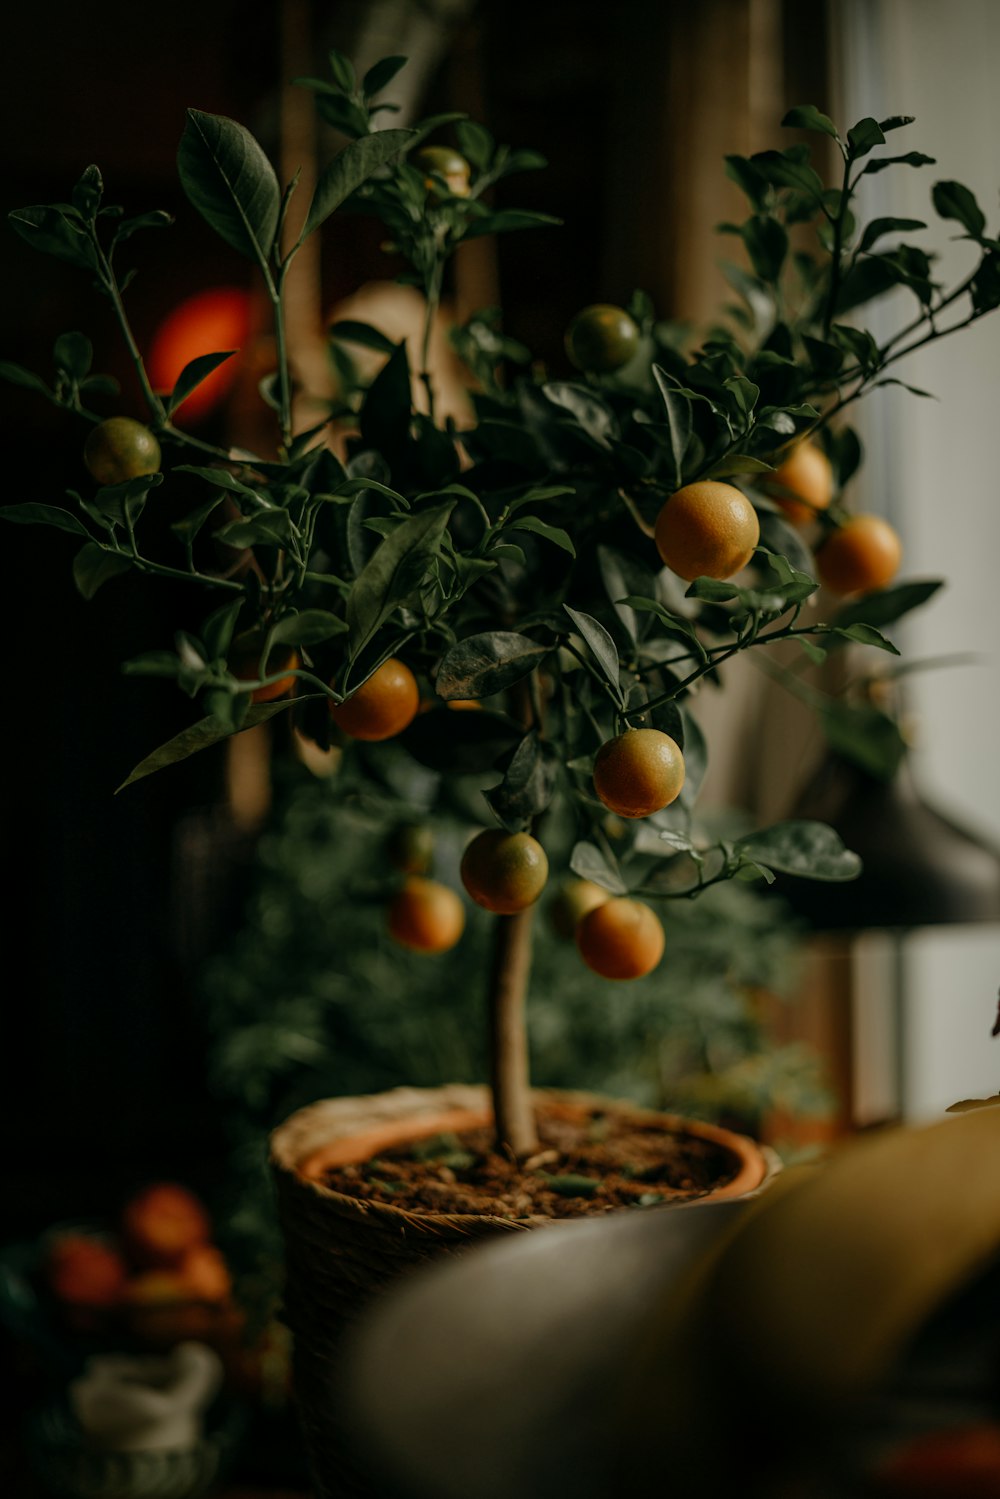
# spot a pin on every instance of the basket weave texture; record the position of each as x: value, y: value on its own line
x: 341, y: 1251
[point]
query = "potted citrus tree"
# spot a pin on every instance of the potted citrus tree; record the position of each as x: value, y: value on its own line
x: 524, y: 605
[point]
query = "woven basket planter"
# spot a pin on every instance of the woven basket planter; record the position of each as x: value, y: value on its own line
x: 340, y: 1251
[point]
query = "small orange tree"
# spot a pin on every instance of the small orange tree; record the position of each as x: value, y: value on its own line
x: 532, y: 565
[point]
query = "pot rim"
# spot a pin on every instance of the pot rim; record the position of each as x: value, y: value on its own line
x: 298, y: 1150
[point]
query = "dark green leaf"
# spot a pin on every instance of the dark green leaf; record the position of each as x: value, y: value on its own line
x: 88, y: 191
x: 867, y: 635
x: 18, y: 376
x: 158, y: 218
x: 342, y: 69
x: 859, y: 342
x: 191, y: 376
x: 825, y: 358
x: 602, y: 648
x: 74, y: 354
x: 364, y: 334
x: 674, y: 624
x: 55, y: 233
x: 461, y: 743
x: 266, y: 528
x: 93, y: 566
x: 507, y: 219
x: 595, y: 417
x: 309, y: 627
x: 346, y: 172
x: 555, y: 534
x: 200, y: 736
x: 695, y: 758
x: 44, y: 515
x: 953, y: 201
x: 217, y: 631
x: 808, y: 117
x: 624, y: 576
x: 395, y: 570
x: 475, y: 143
x: 895, y: 122
x: 766, y: 241
x: 481, y: 665
x: 875, y: 230
x: 738, y: 463
x: 388, y: 408
x: 380, y: 74
x: 867, y: 278
x: 188, y: 526
x: 862, y: 137
x: 153, y: 664
x: 230, y: 182
x: 986, y: 284
x: 911, y: 159
x: 809, y: 849
x: 786, y: 169
x: 590, y: 863
x: 678, y: 415
x: 888, y: 605
x: 527, y: 786
x: 746, y: 176
x: 866, y: 736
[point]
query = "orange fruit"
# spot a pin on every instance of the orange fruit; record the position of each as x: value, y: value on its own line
x: 84, y: 1271
x: 382, y: 707
x: 446, y: 163
x: 119, y: 449
x: 205, y: 1274
x: 620, y: 939
x: 707, y: 530
x: 859, y: 556
x: 426, y: 916
x: 573, y: 901
x: 464, y: 705
x: 246, y: 666
x: 601, y: 338
x: 163, y: 1221
x: 639, y: 772
x: 504, y: 872
x: 808, y: 474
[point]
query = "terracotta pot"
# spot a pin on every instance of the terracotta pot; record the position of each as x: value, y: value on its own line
x: 341, y: 1251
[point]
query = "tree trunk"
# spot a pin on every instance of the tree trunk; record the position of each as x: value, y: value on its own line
x: 514, y: 1116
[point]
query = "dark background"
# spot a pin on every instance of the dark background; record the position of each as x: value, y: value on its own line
x: 103, y: 1081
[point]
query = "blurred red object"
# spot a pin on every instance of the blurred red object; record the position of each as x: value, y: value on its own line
x: 211, y: 322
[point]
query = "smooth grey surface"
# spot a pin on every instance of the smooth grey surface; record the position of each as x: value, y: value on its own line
x: 495, y: 1376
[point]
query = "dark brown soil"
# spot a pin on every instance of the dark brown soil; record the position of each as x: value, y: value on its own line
x: 589, y: 1165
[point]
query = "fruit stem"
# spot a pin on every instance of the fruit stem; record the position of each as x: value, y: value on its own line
x: 513, y: 1114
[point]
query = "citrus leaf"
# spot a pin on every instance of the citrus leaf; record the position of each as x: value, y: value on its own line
x: 93, y: 566
x: 602, y: 648
x: 808, y: 849
x: 954, y: 201
x: 555, y: 534
x: 191, y: 376
x: 527, y: 786
x: 44, y: 515
x: 589, y: 863
x: 352, y: 332
x: 483, y: 664
x: 230, y: 182
x: 396, y: 568
x: 199, y: 736
x: 309, y: 627
x: 808, y: 117
x: 348, y: 170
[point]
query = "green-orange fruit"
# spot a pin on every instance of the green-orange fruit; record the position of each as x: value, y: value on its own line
x: 411, y: 848
x: 601, y: 338
x: 120, y: 449
x: 444, y: 162
x: 426, y: 916
x: 639, y: 772
x: 504, y: 872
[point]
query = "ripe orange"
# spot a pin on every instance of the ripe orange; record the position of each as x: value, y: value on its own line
x: 162, y: 1222
x: 807, y: 473
x: 205, y: 1273
x: 639, y: 772
x: 504, y: 872
x: 601, y: 338
x: 84, y: 1271
x: 621, y: 939
x: 961, y: 1462
x: 246, y: 666
x: 426, y: 916
x: 446, y: 163
x: 707, y: 530
x: 573, y: 901
x: 119, y: 449
x: 381, y: 707
x: 862, y: 554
